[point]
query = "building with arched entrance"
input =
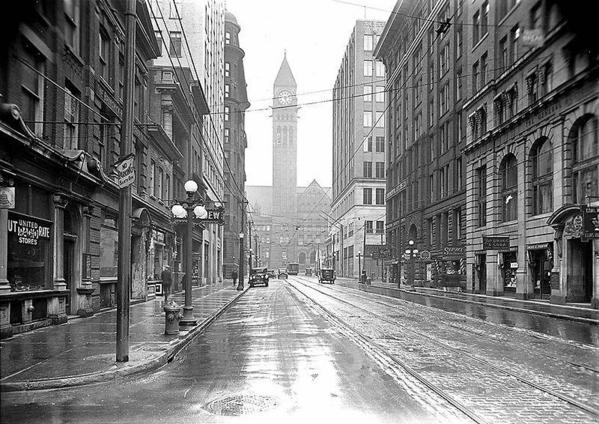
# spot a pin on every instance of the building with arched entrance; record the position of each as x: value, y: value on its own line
x: 532, y: 154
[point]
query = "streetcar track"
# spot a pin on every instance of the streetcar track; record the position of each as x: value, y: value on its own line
x: 367, y: 343
x: 567, y: 399
x: 539, y: 352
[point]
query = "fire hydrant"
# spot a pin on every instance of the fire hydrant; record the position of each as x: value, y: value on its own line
x: 172, y: 315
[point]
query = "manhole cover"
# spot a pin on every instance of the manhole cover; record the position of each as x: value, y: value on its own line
x: 236, y: 405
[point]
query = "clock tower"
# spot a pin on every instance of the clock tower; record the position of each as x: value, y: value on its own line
x: 284, y: 143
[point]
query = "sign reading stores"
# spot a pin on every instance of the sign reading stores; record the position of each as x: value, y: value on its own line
x: 28, y: 231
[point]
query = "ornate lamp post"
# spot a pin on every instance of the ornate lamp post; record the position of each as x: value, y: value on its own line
x: 189, y: 208
x: 411, y: 252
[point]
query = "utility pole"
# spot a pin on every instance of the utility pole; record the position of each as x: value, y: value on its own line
x: 250, y: 239
x: 124, y: 233
x: 241, y: 247
x: 257, y: 256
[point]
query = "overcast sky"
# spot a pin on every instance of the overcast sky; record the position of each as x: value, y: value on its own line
x: 315, y: 34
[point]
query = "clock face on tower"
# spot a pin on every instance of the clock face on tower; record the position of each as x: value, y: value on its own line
x: 285, y: 97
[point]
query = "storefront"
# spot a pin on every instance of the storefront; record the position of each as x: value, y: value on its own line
x: 540, y: 263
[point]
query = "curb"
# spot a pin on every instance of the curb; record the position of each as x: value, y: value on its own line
x: 492, y: 305
x: 103, y: 376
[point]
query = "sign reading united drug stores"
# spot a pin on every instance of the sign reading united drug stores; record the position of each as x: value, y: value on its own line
x: 28, y: 230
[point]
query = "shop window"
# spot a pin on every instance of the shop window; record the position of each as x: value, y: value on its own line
x: 109, y: 248
x: 585, y: 145
x: 508, y: 172
x: 541, y: 157
x: 29, y: 245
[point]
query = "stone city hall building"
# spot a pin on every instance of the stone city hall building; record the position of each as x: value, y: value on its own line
x: 532, y: 149
x: 62, y: 88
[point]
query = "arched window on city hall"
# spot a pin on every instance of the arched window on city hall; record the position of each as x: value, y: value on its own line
x: 585, y: 155
x: 508, y: 172
x: 541, y: 158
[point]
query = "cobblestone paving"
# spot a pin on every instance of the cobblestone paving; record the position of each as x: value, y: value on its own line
x: 447, y: 350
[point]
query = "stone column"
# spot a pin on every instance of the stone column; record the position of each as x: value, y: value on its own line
x: 4, y: 284
x: 524, y: 284
x: 59, y: 206
x: 595, y: 295
x: 5, y: 327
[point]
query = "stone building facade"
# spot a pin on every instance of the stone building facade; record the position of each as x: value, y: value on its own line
x: 235, y: 143
x: 60, y: 115
x: 532, y: 151
x: 426, y: 61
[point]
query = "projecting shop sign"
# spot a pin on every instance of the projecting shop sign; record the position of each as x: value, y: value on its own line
x: 125, y: 171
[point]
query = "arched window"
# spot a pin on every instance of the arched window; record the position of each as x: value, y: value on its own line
x: 585, y: 145
x: 541, y: 157
x: 508, y: 172
x: 302, y: 258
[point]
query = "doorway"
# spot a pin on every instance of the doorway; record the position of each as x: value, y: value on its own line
x: 580, y: 271
x: 69, y: 272
x: 481, y: 273
x: 540, y: 268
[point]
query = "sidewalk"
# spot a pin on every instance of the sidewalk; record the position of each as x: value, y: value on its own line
x: 574, y: 312
x: 82, y: 351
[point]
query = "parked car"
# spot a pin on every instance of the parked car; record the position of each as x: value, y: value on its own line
x: 272, y: 273
x: 259, y: 276
x: 282, y: 274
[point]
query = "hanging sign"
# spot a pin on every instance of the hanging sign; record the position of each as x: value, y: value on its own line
x: 125, y: 171
x: 7, y: 197
x: 215, y: 215
x: 590, y: 222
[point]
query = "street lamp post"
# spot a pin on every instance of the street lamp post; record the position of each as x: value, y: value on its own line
x: 359, y: 266
x: 188, y: 209
x: 411, y: 252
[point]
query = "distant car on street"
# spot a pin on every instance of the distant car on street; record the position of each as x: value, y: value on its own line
x: 282, y: 274
x: 259, y: 276
x: 272, y: 273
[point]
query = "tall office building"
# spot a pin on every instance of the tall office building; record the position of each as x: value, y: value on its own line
x: 194, y: 31
x: 358, y: 204
x: 425, y: 62
x: 234, y: 143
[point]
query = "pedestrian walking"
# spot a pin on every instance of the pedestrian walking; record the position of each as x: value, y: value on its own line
x: 234, y: 276
x: 167, y: 281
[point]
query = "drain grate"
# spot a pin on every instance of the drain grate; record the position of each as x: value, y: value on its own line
x: 237, y: 405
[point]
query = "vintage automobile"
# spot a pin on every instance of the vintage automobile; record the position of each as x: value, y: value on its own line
x: 326, y: 275
x: 272, y: 273
x: 259, y: 276
x: 282, y: 273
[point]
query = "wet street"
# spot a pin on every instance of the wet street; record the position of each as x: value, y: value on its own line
x: 298, y: 351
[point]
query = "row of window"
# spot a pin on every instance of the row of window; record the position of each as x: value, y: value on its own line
x: 380, y: 227
x: 585, y: 144
x: 379, y: 68
x: 445, y: 227
x: 367, y: 196
x: 379, y: 169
